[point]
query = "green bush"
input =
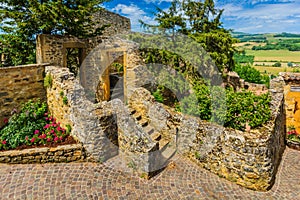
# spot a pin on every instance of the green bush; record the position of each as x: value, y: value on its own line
x: 248, y: 73
x: 158, y: 95
x: 31, y: 126
x: 246, y: 107
x: 234, y: 109
x: 24, y: 123
x: 277, y: 64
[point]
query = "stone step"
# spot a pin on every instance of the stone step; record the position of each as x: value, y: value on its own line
x: 131, y: 111
x: 149, y: 130
x: 163, y: 144
x: 137, y: 116
x: 143, y: 122
x: 156, y: 136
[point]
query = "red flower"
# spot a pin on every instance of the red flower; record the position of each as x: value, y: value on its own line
x: 5, y: 120
x: 4, y: 142
x: 56, y: 139
x: 49, y: 140
x: 36, y: 132
x: 32, y: 140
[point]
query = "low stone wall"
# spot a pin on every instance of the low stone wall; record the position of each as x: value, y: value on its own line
x: 250, y: 159
x: 63, y: 153
x: 104, y: 129
x: 18, y: 85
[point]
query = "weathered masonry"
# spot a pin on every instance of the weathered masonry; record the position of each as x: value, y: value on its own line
x: 111, y: 114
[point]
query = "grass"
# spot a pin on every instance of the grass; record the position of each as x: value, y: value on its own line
x: 275, y: 55
x: 273, y: 70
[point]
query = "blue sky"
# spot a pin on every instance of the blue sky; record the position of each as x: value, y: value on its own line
x: 256, y: 16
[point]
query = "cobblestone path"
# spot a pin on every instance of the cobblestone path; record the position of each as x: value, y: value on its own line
x: 184, y: 180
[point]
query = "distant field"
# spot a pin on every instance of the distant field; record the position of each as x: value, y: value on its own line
x: 248, y: 45
x: 273, y: 70
x: 275, y: 55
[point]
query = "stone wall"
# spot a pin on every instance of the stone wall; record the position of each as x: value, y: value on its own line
x: 250, y: 159
x: 104, y: 129
x: 18, y: 85
x: 52, y: 48
x: 233, y: 80
x: 63, y: 153
x: 117, y: 23
x: 291, y: 88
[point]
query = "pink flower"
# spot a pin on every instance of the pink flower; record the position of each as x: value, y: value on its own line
x: 36, y: 132
x: 56, y: 139
x: 32, y: 140
x: 43, y: 136
x: 49, y: 140
x: 46, y: 118
x: 52, y: 131
x: 60, y: 137
x: 4, y: 142
x: 46, y: 126
x: 58, y: 128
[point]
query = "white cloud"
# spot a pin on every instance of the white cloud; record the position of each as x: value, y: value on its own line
x: 157, y: 1
x: 134, y: 13
x: 263, y: 17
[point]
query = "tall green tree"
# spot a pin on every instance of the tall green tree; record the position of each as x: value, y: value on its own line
x: 200, y: 20
x: 22, y: 20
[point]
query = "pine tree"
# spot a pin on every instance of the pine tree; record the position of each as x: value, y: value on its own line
x: 22, y: 20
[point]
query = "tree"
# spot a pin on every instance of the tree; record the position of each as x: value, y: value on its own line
x: 200, y: 21
x: 21, y: 21
x: 277, y: 64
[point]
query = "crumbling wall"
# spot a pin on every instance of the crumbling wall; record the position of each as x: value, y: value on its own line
x: 117, y: 23
x: 249, y: 158
x: 52, y: 48
x: 104, y: 129
x: 291, y: 89
x: 233, y: 80
x: 18, y: 85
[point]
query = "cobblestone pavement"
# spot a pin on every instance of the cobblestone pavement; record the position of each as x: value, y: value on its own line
x: 184, y: 180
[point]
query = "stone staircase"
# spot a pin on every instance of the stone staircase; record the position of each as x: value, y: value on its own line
x: 166, y: 151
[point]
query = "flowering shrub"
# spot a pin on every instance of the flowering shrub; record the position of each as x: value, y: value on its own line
x: 31, y: 126
x: 52, y: 132
x: 293, y: 135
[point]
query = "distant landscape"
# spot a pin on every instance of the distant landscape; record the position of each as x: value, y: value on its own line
x: 273, y: 53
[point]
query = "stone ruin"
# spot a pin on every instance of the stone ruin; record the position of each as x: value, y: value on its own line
x: 119, y: 122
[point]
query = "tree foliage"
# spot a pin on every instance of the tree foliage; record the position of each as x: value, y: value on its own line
x: 199, y: 20
x: 21, y: 21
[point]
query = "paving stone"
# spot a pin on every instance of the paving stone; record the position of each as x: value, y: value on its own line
x: 184, y: 180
